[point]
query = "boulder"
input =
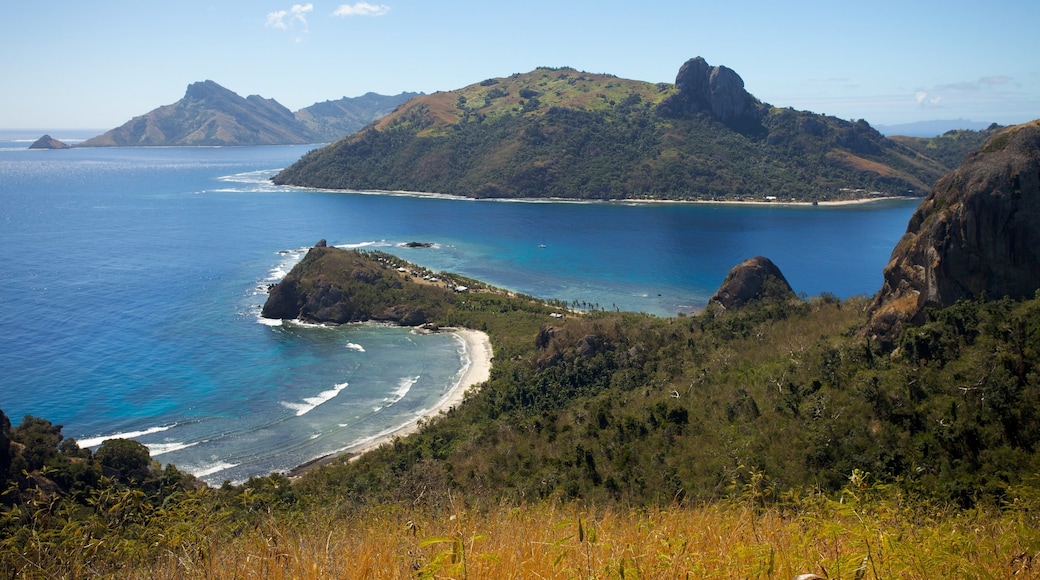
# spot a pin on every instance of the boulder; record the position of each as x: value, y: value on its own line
x: 755, y: 279
x: 976, y: 234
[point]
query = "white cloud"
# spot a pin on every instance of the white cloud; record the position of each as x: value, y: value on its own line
x: 361, y: 9
x: 924, y: 100
x: 296, y: 15
x: 276, y: 19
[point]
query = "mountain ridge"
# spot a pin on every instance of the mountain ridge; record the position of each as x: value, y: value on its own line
x: 211, y: 115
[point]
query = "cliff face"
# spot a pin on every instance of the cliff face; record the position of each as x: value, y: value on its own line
x: 977, y: 232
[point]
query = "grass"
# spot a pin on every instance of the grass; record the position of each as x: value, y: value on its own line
x: 847, y: 538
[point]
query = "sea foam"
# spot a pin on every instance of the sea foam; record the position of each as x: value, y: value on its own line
x: 311, y: 403
x: 95, y: 441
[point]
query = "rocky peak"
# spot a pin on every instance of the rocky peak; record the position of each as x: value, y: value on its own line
x: 203, y: 90
x: 715, y: 89
x: 977, y: 232
x: 755, y: 279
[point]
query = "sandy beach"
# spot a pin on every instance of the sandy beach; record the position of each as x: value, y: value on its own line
x: 479, y: 352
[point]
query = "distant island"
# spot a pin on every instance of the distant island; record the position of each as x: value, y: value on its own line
x: 562, y: 133
x: 211, y: 115
x: 48, y: 142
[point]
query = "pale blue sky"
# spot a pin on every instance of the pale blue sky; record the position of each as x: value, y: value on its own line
x: 75, y: 64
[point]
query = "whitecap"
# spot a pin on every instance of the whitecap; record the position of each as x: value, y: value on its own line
x: 160, y: 448
x: 357, y: 347
x: 95, y: 441
x: 403, y: 386
x: 311, y: 403
x: 212, y: 468
x: 357, y: 245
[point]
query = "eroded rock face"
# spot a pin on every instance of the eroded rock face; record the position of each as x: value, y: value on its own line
x: 755, y: 279
x: 977, y: 232
x: 715, y: 89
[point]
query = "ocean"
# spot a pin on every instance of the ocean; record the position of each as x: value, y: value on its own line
x: 133, y: 280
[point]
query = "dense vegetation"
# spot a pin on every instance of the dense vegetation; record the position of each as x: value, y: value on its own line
x: 563, y: 133
x: 606, y: 444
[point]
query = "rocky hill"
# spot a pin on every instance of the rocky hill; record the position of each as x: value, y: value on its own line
x: 211, y: 115
x: 976, y: 234
x: 570, y: 134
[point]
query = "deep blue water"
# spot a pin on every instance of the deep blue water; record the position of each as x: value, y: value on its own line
x: 132, y: 280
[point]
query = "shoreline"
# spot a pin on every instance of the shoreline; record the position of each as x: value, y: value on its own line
x: 480, y: 353
x: 748, y: 202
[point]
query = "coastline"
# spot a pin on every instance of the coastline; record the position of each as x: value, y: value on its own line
x: 480, y: 353
x: 747, y: 202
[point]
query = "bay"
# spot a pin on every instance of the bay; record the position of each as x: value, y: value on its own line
x: 133, y: 279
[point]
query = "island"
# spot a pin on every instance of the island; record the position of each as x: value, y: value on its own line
x: 48, y: 142
x: 564, y: 133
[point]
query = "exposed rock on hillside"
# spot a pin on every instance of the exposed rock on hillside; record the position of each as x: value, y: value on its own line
x: 48, y: 142
x: 977, y: 232
x: 755, y: 279
x: 715, y: 89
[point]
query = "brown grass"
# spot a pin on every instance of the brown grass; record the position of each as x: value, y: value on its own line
x: 724, y: 541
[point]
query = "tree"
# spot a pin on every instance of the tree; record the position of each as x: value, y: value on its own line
x: 127, y: 457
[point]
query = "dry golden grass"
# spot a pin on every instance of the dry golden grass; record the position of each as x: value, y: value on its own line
x: 724, y: 541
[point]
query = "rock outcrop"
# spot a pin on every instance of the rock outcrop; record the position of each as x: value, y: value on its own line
x: 977, y: 233
x: 715, y: 89
x: 48, y: 142
x: 755, y: 279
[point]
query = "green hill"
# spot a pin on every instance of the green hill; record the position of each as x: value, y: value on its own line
x: 569, y: 134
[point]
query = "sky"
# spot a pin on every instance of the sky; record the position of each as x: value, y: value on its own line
x: 74, y: 64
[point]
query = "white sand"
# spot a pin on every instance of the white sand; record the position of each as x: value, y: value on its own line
x: 478, y: 350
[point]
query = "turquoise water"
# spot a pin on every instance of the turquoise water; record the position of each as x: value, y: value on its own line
x: 133, y: 279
